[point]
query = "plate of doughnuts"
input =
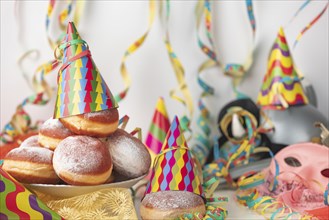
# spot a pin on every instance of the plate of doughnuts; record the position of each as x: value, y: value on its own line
x: 64, y: 162
x: 67, y: 191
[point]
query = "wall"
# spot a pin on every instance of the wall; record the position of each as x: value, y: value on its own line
x: 110, y: 27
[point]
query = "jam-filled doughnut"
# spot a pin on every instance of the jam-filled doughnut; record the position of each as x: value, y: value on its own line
x: 32, y: 141
x: 171, y: 205
x: 31, y: 165
x: 130, y: 156
x: 82, y: 160
x: 96, y: 124
x: 52, y: 132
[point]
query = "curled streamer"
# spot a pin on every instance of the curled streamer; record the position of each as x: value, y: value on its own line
x: 20, y: 122
x: 179, y: 72
x: 309, y: 25
x: 203, y: 145
x: 131, y: 49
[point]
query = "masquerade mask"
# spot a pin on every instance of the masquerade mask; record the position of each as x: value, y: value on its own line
x: 304, y: 174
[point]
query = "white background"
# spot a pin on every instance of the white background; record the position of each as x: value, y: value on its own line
x: 110, y: 27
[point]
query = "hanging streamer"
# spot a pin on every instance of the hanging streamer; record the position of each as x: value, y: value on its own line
x: 182, y: 88
x: 203, y: 146
x: 238, y: 71
x: 305, y: 29
x: 132, y: 49
x: 63, y: 16
x: 20, y: 122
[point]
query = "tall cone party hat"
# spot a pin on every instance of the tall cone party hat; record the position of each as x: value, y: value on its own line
x: 281, y: 85
x: 81, y: 87
x: 159, y: 126
x: 174, y: 168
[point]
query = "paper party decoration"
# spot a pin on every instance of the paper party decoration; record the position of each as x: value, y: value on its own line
x: 159, y: 126
x: 16, y: 202
x: 174, y: 168
x: 281, y: 85
x: 81, y: 87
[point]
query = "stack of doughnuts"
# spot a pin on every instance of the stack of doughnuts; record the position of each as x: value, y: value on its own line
x: 79, y: 150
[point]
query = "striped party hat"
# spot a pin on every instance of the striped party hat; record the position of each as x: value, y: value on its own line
x: 174, y: 168
x: 16, y: 202
x: 81, y: 87
x: 281, y: 85
x: 159, y: 126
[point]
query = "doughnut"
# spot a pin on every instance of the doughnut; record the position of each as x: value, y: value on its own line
x: 31, y: 165
x: 171, y: 205
x: 82, y: 160
x: 6, y: 147
x: 31, y: 142
x: 52, y: 132
x: 96, y: 124
x: 130, y: 156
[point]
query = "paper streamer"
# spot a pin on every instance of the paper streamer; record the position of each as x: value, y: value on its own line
x: 240, y: 150
x: 203, y: 146
x: 21, y: 121
x: 248, y: 195
x: 238, y: 71
x: 182, y: 88
x: 61, y: 19
x: 305, y: 29
x: 16, y: 202
x: 132, y: 49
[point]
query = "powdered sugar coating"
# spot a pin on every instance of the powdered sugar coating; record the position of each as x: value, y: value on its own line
x: 32, y: 154
x: 31, y: 142
x: 55, y: 129
x: 129, y: 154
x: 81, y: 155
x: 168, y: 200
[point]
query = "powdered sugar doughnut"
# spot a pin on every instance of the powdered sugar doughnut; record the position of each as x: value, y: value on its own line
x: 82, y: 160
x: 31, y: 142
x: 129, y: 154
x: 171, y: 205
x: 97, y: 124
x: 52, y: 132
x: 31, y: 165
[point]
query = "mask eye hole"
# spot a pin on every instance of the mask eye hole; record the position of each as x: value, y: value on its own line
x: 325, y: 173
x: 293, y: 162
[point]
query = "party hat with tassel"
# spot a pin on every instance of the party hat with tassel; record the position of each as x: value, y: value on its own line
x: 81, y: 87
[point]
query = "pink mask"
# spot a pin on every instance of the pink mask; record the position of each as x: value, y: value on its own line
x: 302, y: 168
x: 308, y: 160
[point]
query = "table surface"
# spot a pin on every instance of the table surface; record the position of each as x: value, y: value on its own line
x: 235, y: 210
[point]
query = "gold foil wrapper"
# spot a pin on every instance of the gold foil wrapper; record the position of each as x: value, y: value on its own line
x: 111, y: 203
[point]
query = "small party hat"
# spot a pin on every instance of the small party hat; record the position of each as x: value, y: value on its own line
x: 81, y: 87
x: 174, y: 168
x: 281, y: 85
x: 16, y: 202
x: 159, y: 126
